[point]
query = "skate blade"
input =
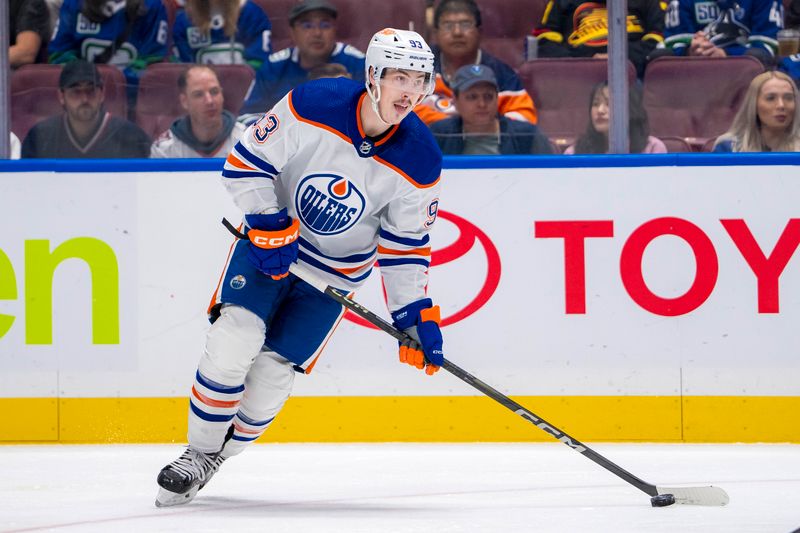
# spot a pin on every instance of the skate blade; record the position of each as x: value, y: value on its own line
x: 167, y: 498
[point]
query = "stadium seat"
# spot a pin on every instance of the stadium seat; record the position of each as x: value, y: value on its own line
x: 676, y: 144
x: 158, y: 105
x: 696, y: 98
x: 505, y: 24
x: 356, y: 21
x: 560, y: 88
x: 34, y: 94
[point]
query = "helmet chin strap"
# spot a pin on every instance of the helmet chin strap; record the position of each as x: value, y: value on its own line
x: 375, y: 99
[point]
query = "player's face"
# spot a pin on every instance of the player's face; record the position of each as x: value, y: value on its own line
x: 82, y: 102
x: 478, y: 106
x: 203, y: 100
x: 776, y: 104
x: 458, y: 35
x: 600, y: 118
x: 401, y: 90
x: 314, y: 34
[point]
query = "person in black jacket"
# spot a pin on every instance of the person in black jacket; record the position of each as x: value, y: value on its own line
x: 85, y: 129
x: 478, y: 128
x: 579, y: 28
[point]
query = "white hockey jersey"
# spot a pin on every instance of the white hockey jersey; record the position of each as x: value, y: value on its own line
x: 359, y: 199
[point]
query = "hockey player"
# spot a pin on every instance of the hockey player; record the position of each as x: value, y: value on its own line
x: 335, y: 177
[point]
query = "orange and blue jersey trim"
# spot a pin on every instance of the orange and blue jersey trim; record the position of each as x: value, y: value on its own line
x: 242, y: 163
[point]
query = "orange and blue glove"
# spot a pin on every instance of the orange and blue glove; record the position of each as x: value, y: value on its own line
x: 273, y: 242
x: 420, y: 321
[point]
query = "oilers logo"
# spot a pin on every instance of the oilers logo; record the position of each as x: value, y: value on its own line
x: 328, y: 204
x: 238, y: 282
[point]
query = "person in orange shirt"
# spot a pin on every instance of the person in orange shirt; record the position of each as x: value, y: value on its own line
x: 457, y: 28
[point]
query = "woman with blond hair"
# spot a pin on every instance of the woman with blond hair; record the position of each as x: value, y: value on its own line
x: 768, y: 120
x: 222, y: 32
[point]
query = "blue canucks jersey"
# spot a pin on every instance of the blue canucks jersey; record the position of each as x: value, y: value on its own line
x: 282, y: 72
x: 76, y: 36
x: 250, y: 45
x: 734, y: 25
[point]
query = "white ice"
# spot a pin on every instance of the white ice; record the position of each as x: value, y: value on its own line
x: 408, y: 488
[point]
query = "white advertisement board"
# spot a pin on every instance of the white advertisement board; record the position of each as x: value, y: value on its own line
x: 566, y: 281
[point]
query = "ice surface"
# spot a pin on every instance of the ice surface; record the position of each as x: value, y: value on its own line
x: 408, y: 488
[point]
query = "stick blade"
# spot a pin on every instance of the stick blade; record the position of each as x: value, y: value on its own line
x: 712, y: 496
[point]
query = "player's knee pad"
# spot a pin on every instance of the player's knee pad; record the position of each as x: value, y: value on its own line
x: 232, y: 344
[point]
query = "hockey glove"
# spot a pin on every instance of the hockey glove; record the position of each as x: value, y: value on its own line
x: 273, y: 242
x: 420, y: 321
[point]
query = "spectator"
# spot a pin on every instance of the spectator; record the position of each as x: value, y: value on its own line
x: 791, y: 64
x: 478, y: 129
x: 723, y: 28
x: 85, y: 129
x: 313, y: 30
x: 30, y: 29
x: 595, y: 140
x: 579, y: 28
x: 457, y: 30
x: 328, y: 70
x: 207, y: 129
x: 222, y: 32
x: 129, y: 34
x: 768, y: 120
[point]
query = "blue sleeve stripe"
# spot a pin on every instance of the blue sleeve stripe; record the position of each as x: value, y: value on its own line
x: 209, y: 417
x: 252, y: 159
x: 355, y: 258
x: 416, y: 243
x: 325, y: 268
x: 397, y: 262
x: 229, y: 173
x: 217, y: 387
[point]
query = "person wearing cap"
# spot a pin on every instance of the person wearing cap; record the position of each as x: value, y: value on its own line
x: 457, y: 28
x: 85, y: 129
x: 478, y: 128
x: 313, y: 30
x: 222, y: 32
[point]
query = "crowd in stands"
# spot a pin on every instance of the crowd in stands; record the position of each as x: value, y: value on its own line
x: 104, y: 60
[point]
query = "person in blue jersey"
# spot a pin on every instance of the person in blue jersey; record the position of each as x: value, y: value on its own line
x: 337, y: 176
x: 222, y: 32
x: 768, y: 119
x: 129, y: 34
x: 313, y: 30
x: 722, y: 28
x: 791, y: 64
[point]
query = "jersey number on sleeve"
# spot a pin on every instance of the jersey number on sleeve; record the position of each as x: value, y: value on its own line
x: 265, y: 127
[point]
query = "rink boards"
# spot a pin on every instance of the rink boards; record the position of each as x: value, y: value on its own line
x: 620, y: 298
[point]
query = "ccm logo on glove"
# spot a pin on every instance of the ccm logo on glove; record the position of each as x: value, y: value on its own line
x: 275, y: 239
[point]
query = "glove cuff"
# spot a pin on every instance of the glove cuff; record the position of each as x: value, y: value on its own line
x: 275, y: 221
x: 409, y: 316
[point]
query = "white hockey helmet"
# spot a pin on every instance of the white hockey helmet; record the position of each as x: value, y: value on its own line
x: 400, y: 49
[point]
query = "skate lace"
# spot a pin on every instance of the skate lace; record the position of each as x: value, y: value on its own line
x: 196, y: 465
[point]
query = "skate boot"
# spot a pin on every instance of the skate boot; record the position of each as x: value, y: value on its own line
x: 180, y: 480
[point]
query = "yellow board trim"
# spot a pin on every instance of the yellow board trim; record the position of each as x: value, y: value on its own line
x: 419, y: 419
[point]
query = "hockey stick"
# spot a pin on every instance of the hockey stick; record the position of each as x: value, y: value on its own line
x: 660, y: 496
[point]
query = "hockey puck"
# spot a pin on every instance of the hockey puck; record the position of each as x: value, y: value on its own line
x: 662, y: 500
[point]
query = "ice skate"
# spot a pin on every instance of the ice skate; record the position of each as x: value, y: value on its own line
x: 180, y: 480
